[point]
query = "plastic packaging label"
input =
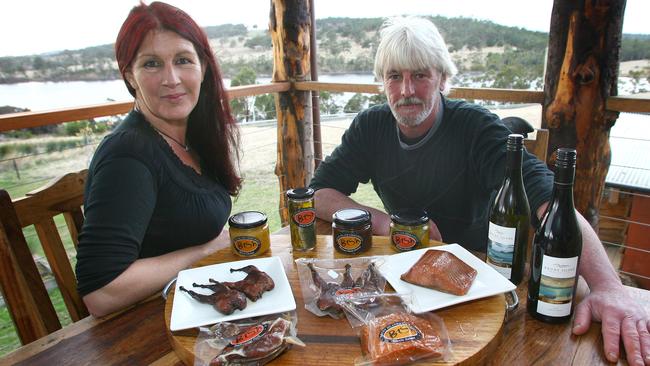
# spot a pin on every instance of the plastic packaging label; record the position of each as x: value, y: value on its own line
x: 556, y: 286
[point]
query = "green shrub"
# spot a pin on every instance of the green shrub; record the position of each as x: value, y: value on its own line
x: 100, y: 127
x: 52, y: 146
x: 19, y: 134
x: 6, y: 149
x: 26, y: 149
x: 73, y: 128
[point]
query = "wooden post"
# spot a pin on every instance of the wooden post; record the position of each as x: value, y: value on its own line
x: 290, y: 28
x: 581, y: 72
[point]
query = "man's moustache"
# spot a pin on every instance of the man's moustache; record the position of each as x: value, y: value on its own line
x: 408, y: 101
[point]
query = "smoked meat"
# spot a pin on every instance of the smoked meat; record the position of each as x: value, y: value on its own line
x: 443, y: 271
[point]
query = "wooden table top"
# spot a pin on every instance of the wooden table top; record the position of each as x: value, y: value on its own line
x: 138, y: 336
x: 474, y: 327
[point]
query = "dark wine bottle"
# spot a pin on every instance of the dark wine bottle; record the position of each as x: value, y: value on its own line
x: 510, y: 218
x: 556, y: 249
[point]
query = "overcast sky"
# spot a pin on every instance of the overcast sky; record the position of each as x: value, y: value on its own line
x: 38, y: 26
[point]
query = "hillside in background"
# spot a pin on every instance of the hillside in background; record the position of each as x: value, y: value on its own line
x: 510, y: 56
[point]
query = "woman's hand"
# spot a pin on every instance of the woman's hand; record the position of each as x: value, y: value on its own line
x: 147, y: 276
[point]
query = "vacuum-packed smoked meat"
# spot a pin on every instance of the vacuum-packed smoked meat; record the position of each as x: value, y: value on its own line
x: 399, y: 338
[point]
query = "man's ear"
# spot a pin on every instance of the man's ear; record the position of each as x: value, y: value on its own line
x: 443, y: 83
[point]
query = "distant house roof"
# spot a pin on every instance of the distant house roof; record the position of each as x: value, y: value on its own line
x: 630, y: 143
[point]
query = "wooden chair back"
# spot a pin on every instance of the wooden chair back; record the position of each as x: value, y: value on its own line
x: 539, y: 145
x: 24, y: 291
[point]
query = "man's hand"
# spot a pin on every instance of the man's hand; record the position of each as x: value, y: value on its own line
x: 622, y: 318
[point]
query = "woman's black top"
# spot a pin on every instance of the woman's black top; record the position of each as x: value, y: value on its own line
x: 142, y: 201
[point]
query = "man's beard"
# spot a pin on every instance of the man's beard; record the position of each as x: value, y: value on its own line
x: 411, y: 121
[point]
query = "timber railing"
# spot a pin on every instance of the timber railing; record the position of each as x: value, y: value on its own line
x: 21, y: 120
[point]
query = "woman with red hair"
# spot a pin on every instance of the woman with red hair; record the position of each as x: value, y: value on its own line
x: 159, y: 186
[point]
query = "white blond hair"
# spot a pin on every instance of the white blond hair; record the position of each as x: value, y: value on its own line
x: 412, y: 43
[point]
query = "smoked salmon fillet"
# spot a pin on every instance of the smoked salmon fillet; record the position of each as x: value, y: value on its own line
x: 443, y: 271
x: 399, y: 339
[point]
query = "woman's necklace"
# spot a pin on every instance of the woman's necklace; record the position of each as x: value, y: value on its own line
x: 185, y: 147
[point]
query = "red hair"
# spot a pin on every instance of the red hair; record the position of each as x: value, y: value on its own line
x: 211, y: 129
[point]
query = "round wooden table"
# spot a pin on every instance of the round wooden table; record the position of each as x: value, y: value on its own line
x: 474, y: 327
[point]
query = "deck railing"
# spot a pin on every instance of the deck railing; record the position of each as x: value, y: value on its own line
x: 20, y: 120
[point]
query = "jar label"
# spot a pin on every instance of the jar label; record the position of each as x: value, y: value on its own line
x: 556, y: 286
x: 400, y: 332
x: 349, y: 242
x: 249, y: 335
x: 247, y: 245
x: 304, y: 217
x: 403, y: 240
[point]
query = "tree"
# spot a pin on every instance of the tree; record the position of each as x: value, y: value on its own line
x: 265, y: 106
x: 260, y: 40
x: 39, y: 63
x: 241, y: 106
x: 327, y: 103
x: 636, y: 76
x: 226, y: 30
x: 355, y: 104
x: 377, y: 99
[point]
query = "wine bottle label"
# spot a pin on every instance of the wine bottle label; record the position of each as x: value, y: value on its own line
x: 501, y: 248
x: 556, y: 286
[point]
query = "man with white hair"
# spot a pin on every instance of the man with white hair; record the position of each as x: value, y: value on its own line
x: 424, y: 151
x: 421, y: 150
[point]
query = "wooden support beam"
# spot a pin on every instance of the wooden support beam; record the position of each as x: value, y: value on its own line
x: 630, y: 104
x: 500, y: 95
x: 290, y: 25
x: 16, y: 121
x: 581, y: 73
x: 258, y: 89
x: 20, y: 120
x: 338, y: 87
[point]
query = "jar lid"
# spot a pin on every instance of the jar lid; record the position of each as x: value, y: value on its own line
x: 247, y: 219
x: 410, y: 217
x: 300, y: 193
x: 351, y: 217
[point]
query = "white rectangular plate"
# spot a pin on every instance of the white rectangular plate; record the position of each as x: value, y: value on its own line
x: 189, y: 313
x: 488, y: 282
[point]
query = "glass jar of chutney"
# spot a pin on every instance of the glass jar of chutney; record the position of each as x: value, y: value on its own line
x: 302, y: 218
x: 352, y: 230
x: 409, y: 229
x: 249, y: 233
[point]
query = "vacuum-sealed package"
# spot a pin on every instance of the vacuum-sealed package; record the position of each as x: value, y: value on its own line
x: 392, y: 335
x: 252, y: 341
x: 322, y: 281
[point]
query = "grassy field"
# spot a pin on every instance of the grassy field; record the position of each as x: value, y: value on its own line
x: 260, y: 190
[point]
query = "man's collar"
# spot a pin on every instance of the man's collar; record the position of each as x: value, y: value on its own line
x: 439, y: 111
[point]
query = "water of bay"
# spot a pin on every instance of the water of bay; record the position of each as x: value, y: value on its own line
x: 40, y: 96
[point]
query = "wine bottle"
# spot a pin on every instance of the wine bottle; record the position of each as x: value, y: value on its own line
x: 510, y: 218
x: 556, y: 249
